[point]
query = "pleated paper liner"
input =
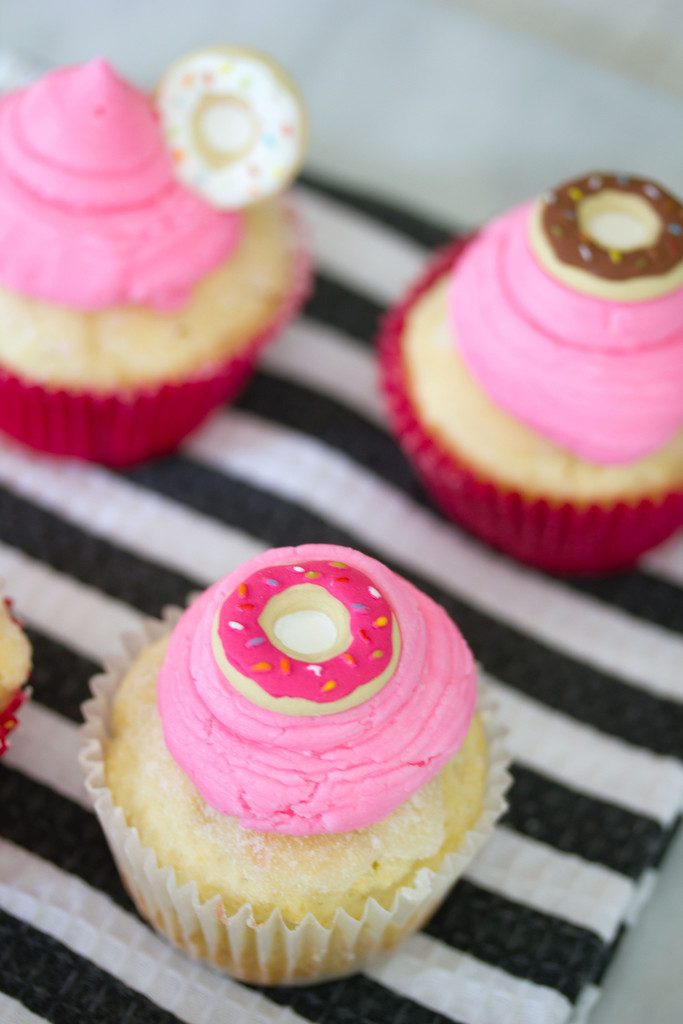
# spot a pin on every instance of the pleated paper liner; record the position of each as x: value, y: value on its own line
x: 561, y: 538
x: 270, y: 952
x: 120, y: 429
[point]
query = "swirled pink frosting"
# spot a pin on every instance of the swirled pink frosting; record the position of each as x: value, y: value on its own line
x: 90, y: 213
x: 306, y: 775
x: 603, y: 379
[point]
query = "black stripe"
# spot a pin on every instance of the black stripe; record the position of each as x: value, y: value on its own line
x: 576, y: 823
x: 60, y: 676
x: 58, y: 830
x: 578, y: 689
x: 413, y: 225
x: 355, y: 1000
x: 519, y: 940
x: 639, y: 593
x: 672, y: 832
x: 294, y: 405
x: 335, y: 305
x: 53, y: 981
x: 86, y: 557
x: 610, y: 952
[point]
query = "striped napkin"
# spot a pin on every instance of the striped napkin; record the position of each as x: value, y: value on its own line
x: 587, y: 674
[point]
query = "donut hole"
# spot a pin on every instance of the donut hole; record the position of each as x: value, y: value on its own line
x: 307, y: 632
x: 224, y: 128
x: 619, y: 220
x: 307, y: 623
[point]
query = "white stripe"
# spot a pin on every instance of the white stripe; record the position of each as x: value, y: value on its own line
x: 455, y: 984
x: 583, y: 758
x: 583, y: 1008
x: 12, y: 1012
x: 536, y: 875
x: 642, y: 896
x: 137, y: 519
x: 523, y: 869
x: 372, y: 258
x: 46, y: 749
x: 75, y: 614
x: 91, y: 925
x: 302, y: 469
x: 329, y: 362
x: 203, y: 548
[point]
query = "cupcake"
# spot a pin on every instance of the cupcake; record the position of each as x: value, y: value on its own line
x: 534, y: 376
x: 292, y: 773
x: 15, y: 668
x: 145, y: 254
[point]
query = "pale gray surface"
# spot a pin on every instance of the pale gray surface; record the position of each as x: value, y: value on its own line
x: 460, y: 109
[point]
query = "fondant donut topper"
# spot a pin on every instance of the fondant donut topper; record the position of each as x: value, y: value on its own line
x: 234, y: 123
x: 655, y: 245
x: 312, y: 638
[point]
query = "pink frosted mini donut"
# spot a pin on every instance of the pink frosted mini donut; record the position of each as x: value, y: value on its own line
x: 357, y: 649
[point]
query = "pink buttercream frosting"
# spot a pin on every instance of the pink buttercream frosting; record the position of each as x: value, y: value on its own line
x: 90, y: 212
x: 603, y: 379
x: 310, y: 774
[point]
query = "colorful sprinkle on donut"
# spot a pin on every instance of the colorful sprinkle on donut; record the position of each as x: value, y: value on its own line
x: 235, y: 125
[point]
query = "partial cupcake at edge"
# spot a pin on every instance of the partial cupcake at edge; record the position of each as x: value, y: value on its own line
x: 534, y: 375
x: 146, y: 251
x: 15, y: 669
x: 293, y: 772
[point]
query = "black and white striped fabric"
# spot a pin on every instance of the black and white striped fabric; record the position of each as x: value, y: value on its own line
x: 587, y: 674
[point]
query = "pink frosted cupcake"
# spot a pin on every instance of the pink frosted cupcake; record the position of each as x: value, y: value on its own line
x: 15, y: 668
x: 535, y: 375
x: 292, y: 773
x: 144, y: 256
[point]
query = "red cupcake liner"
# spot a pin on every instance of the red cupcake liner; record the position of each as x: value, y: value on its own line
x: 558, y: 538
x: 120, y: 429
x: 8, y: 719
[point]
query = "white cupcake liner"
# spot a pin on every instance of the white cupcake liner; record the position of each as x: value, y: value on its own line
x: 271, y: 952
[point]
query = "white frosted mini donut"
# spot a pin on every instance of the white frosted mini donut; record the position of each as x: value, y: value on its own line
x: 234, y: 124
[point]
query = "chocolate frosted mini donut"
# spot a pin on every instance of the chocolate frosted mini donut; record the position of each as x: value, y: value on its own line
x: 611, y: 235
